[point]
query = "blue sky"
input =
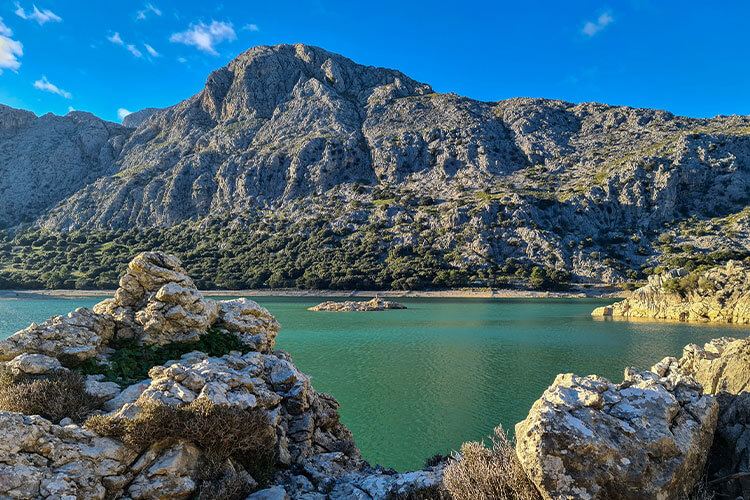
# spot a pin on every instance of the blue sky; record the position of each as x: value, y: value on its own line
x: 691, y: 58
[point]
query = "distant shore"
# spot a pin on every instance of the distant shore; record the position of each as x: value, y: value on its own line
x: 592, y: 291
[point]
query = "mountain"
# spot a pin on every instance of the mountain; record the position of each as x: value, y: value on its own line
x: 302, y: 139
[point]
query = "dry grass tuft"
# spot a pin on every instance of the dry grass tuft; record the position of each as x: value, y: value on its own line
x: 221, y: 432
x: 481, y: 473
x: 54, y: 397
x: 229, y: 482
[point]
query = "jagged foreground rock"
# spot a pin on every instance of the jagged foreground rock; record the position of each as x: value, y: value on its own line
x: 645, y: 438
x: 299, y: 133
x: 722, y: 295
x: 158, y: 304
x: 376, y: 304
x: 722, y: 366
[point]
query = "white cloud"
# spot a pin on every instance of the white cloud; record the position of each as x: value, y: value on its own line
x: 181, y: 59
x: 122, y: 113
x: 45, y: 85
x: 205, y: 36
x: 10, y: 50
x: 133, y: 50
x: 151, y: 50
x: 251, y: 27
x: 116, y: 39
x: 592, y: 29
x: 40, y: 16
x: 149, y: 8
x: 71, y: 109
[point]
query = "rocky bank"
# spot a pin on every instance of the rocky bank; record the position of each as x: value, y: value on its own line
x: 650, y: 436
x: 720, y: 294
x: 376, y: 304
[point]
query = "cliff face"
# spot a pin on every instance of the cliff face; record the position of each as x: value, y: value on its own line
x: 721, y: 294
x: 46, y: 159
x: 297, y: 133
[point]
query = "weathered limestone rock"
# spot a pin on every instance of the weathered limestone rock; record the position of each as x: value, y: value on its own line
x: 158, y: 303
x: 644, y: 438
x: 251, y: 322
x: 722, y: 295
x: 41, y: 460
x: 172, y: 474
x: 306, y: 422
x: 376, y: 304
x: 73, y: 338
x: 33, y: 364
x: 336, y: 476
x: 722, y: 366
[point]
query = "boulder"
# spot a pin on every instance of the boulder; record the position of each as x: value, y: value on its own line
x: 647, y: 437
x: 722, y: 366
x: 41, y: 460
x: 71, y: 339
x: 166, y: 473
x: 157, y: 302
x: 33, y: 364
x: 252, y: 323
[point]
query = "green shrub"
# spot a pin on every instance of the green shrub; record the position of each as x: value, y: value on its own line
x: 481, y: 473
x: 131, y: 362
x: 54, y: 397
x: 221, y: 432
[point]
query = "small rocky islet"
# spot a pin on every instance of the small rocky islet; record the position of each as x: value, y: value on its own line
x: 173, y: 433
x: 720, y: 294
x: 376, y: 304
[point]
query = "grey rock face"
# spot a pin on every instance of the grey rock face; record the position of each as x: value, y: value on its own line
x: 644, y: 438
x: 135, y: 119
x: 46, y: 159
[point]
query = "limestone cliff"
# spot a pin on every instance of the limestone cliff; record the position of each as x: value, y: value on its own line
x: 720, y: 294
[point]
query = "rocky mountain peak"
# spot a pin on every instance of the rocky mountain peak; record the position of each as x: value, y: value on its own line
x: 254, y: 83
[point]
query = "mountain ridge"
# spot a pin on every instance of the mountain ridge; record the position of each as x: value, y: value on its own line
x: 298, y: 134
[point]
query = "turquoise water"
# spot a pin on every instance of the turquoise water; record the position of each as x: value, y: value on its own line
x: 423, y: 380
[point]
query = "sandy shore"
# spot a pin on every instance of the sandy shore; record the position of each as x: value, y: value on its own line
x: 596, y: 291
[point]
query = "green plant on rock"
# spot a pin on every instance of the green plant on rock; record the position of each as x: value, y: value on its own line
x: 131, y: 362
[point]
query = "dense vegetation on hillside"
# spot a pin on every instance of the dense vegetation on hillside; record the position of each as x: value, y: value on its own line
x: 259, y: 255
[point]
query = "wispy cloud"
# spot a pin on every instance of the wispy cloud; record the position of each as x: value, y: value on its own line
x: 40, y: 16
x: 47, y: 86
x: 10, y: 50
x: 251, y: 27
x: 205, y: 36
x: 122, y: 113
x: 71, y: 109
x: 133, y: 50
x: 181, y: 60
x: 591, y: 28
x: 116, y: 39
x: 149, y: 8
x: 151, y: 50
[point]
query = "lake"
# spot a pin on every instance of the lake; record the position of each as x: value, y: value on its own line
x: 423, y: 380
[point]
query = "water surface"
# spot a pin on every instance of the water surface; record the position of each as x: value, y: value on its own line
x: 423, y: 380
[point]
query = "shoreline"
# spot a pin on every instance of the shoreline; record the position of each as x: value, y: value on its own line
x: 594, y: 291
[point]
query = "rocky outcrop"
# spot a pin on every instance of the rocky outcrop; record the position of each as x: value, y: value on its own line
x: 253, y: 324
x: 722, y: 366
x: 73, y: 338
x: 644, y: 438
x: 376, y: 304
x: 157, y: 304
x: 720, y: 294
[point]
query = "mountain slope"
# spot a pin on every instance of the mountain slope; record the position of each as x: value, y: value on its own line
x: 300, y: 138
x: 45, y: 159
